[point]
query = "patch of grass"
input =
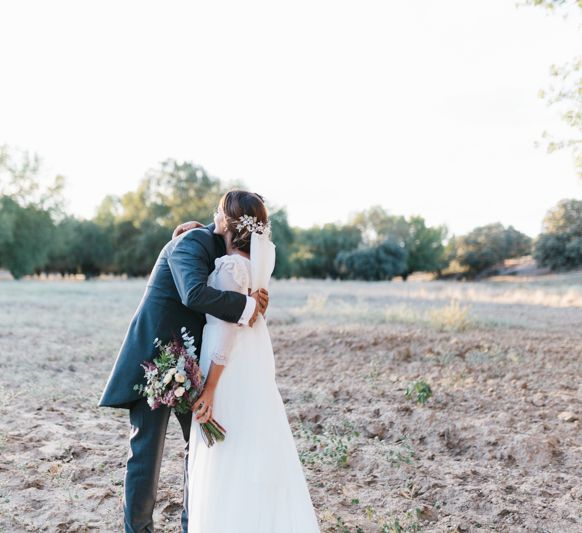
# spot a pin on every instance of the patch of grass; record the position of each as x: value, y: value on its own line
x: 407, y: 523
x: 374, y: 374
x: 330, y: 447
x: 316, y: 303
x: 403, y: 314
x: 451, y: 317
x: 342, y: 527
x: 419, y: 391
x: 401, y: 452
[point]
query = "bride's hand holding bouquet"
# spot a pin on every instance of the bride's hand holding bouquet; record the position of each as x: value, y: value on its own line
x: 202, y: 407
x: 175, y: 380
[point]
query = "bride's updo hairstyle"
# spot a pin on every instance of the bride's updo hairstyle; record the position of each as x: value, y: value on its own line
x: 237, y: 203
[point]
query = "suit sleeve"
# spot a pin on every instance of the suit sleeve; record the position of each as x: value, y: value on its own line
x: 190, y: 265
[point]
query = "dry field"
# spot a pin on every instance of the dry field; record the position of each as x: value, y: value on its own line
x: 497, y: 447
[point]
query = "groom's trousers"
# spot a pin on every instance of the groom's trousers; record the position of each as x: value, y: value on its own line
x: 146, y: 447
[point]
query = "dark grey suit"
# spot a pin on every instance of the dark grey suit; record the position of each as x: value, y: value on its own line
x: 176, y: 295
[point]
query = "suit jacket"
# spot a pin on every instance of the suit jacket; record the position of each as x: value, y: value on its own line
x: 176, y: 295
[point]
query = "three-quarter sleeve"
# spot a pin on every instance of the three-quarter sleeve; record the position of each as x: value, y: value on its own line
x: 230, y: 275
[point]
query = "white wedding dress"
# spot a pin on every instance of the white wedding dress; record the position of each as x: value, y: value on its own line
x: 253, y: 481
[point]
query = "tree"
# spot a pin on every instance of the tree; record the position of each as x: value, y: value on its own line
x: 373, y: 263
x: 489, y: 245
x: 559, y: 246
x: 282, y: 236
x: 424, y: 245
x: 565, y: 91
x: 61, y: 258
x: 91, y: 249
x: 28, y: 212
x: 20, y: 179
x: 315, y: 249
x: 27, y: 237
x: 8, y: 214
x: 168, y: 195
x: 376, y: 225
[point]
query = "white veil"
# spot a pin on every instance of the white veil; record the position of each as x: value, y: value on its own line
x: 262, y: 260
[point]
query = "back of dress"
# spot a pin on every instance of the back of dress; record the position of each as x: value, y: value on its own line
x: 253, y: 481
x: 231, y: 273
x: 223, y: 341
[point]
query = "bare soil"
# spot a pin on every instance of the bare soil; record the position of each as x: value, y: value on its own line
x: 497, y: 447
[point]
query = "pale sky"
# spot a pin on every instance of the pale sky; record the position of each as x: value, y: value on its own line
x: 325, y: 107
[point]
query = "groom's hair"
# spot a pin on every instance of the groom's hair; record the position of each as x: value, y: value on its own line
x: 237, y: 203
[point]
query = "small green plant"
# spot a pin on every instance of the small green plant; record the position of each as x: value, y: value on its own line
x: 419, y: 391
x: 375, y: 373
x: 406, y: 524
x: 401, y: 453
x: 330, y: 447
x: 342, y: 527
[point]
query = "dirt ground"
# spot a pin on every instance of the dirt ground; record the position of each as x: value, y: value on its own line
x: 497, y: 447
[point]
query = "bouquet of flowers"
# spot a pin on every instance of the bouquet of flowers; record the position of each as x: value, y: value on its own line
x: 174, y: 379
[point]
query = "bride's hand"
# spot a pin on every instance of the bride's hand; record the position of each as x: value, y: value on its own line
x: 185, y: 227
x: 203, y: 405
x: 262, y: 298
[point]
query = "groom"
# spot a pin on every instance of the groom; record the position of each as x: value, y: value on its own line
x: 176, y: 295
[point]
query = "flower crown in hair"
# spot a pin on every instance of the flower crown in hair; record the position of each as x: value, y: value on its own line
x: 249, y: 222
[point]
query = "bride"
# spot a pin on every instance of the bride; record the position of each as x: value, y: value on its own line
x: 253, y: 481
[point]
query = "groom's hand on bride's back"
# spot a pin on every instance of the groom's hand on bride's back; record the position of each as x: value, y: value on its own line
x: 262, y: 298
x: 185, y: 227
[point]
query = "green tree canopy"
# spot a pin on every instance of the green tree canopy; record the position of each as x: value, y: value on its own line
x: 489, y: 245
x: 377, y: 225
x: 559, y: 246
x: 565, y: 89
x: 315, y: 249
x: 27, y: 212
x: 27, y: 236
x: 282, y: 236
x: 424, y: 245
x: 168, y: 195
x: 373, y: 263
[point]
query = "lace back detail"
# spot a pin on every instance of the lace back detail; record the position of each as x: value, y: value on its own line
x: 233, y: 266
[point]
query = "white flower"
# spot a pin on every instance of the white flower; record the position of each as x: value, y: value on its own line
x: 180, y: 378
x: 246, y: 221
x: 169, y: 375
x: 179, y: 392
x: 183, y: 329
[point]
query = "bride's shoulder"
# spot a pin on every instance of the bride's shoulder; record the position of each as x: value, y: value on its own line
x: 232, y: 259
x: 234, y: 265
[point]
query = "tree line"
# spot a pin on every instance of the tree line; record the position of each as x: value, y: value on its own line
x: 126, y: 234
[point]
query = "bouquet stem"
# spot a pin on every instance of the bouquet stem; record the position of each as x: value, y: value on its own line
x: 212, y: 432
